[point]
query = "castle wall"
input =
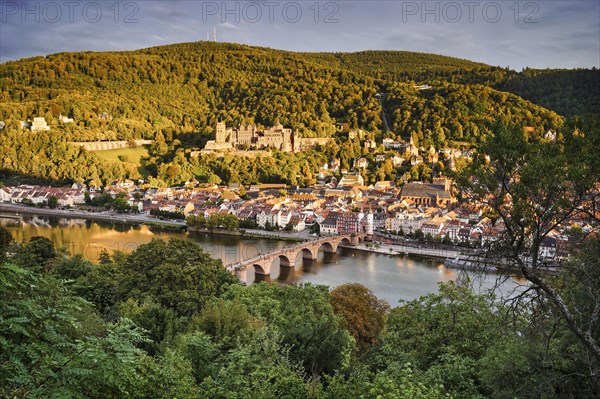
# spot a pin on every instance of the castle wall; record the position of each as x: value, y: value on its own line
x: 276, y: 137
x: 109, y: 145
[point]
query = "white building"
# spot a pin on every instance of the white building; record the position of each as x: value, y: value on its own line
x: 548, y: 248
x: 433, y: 227
x: 39, y: 124
x: 397, y: 161
x: 370, y: 224
x: 362, y: 163
x: 351, y: 179
x: 283, y: 218
x: 408, y: 221
x: 65, y: 119
x: 266, y: 216
x: 5, y: 194
x: 329, y: 225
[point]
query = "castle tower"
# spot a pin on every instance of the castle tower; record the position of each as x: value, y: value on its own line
x: 295, y: 142
x: 287, y: 141
x: 220, y: 133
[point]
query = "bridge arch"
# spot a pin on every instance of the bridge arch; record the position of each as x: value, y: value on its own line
x: 330, y: 247
x: 308, y: 253
x: 285, y: 261
x: 259, y: 269
x: 345, y: 241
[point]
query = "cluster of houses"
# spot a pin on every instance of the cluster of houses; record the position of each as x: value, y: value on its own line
x: 37, y: 195
x: 407, y: 152
x: 427, y: 209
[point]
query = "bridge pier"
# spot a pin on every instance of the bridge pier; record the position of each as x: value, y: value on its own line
x: 241, y: 274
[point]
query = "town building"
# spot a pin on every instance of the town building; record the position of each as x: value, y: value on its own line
x: 362, y: 163
x: 351, y: 179
x: 355, y: 223
x: 438, y: 193
x: 352, y: 134
x: 408, y: 221
x: 329, y: 225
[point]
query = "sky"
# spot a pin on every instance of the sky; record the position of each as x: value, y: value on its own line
x: 515, y: 34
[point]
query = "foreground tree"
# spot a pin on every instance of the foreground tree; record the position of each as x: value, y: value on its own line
x: 5, y: 241
x: 442, y: 336
x: 52, y: 344
x: 363, y: 314
x: 177, y: 275
x: 305, y: 321
x: 534, y: 187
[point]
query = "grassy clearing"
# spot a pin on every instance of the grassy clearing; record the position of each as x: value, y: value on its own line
x: 130, y: 155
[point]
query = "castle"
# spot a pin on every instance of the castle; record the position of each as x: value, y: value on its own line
x: 248, y: 137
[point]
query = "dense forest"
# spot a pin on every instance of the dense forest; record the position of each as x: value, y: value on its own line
x: 48, y: 157
x: 176, y: 93
x: 457, y: 112
x: 568, y: 92
x: 168, y: 321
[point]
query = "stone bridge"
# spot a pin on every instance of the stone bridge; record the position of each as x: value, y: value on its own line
x: 287, y: 256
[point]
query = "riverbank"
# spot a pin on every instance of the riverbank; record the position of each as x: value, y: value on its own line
x: 137, y: 219
x: 104, y: 216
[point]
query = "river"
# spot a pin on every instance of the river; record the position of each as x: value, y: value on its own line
x: 392, y: 278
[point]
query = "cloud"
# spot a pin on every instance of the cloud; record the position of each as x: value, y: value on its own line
x: 566, y: 34
x: 228, y: 26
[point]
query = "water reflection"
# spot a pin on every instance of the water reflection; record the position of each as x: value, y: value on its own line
x: 390, y: 278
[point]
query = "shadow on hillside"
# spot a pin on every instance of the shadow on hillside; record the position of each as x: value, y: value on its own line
x: 10, y: 177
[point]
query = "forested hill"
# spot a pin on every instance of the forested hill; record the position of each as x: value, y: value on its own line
x: 568, y: 92
x: 173, y: 91
x: 397, y: 65
x: 187, y: 87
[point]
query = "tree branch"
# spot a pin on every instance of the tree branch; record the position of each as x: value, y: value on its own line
x: 585, y: 338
